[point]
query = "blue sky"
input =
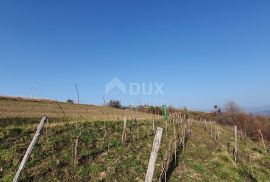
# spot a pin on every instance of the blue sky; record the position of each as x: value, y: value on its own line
x: 205, y: 52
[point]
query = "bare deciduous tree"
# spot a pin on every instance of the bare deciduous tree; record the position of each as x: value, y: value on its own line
x: 232, y: 108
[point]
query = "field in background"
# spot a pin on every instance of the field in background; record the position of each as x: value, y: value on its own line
x: 14, y: 107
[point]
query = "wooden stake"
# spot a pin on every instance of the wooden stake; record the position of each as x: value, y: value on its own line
x: 211, y: 130
x: 166, y: 128
x: 78, y: 102
x: 153, y: 157
x: 30, y: 148
x: 235, y: 143
x: 175, y: 145
x: 215, y: 134
x: 76, y: 148
x: 153, y: 124
x: 183, y: 139
x: 124, y: 130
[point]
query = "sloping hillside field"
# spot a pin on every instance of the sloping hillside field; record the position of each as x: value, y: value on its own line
x: 17, y: 107
x: 102, y: 150
x: 101, y: 155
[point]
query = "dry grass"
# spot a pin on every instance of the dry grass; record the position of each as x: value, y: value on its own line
x: 22, y: 107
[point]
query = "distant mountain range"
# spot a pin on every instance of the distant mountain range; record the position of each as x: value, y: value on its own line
x: 265, y: 110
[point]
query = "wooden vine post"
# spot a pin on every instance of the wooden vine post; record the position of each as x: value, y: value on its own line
x: 75, y: 149
x: 153, y: 125
x: 211, y: 131
x: 124, y: 131
x: 78, y: 102
x: 184, y: 138
x: 218, y: 134
x: 30, y: 148
x: 166, y: 128
x: 154, y: 154
x: 235, y: 144
x: 175, y: 145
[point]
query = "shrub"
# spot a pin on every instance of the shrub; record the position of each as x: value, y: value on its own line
x: 115, y: 104
x: 70, y: 101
